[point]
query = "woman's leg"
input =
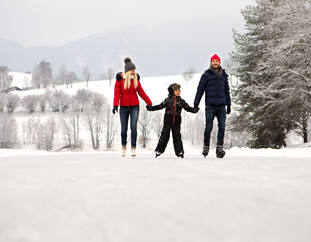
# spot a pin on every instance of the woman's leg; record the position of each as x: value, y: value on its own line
x: 134, y: 113
x: 124, y: 117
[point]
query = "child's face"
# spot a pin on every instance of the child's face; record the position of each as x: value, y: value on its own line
x: 177, y: 92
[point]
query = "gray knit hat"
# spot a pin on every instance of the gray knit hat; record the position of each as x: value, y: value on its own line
x: 128, y: 65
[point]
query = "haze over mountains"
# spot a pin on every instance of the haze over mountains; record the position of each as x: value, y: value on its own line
x: 168, y: 49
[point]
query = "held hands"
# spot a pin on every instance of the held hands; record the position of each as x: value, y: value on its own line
x: 149, y: 107
x: 228, y: 109
x: 115, y: 109
x: 196, y: 108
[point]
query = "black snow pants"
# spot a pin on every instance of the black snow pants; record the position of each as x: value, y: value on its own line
x: 165, y: 136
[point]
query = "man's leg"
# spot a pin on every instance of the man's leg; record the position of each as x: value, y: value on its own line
x: 221, y: 118
x: 209, y: 119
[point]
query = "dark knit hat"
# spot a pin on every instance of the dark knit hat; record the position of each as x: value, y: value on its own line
x: 128, y: 65
x: 215, y: 57
x: 173, y: 87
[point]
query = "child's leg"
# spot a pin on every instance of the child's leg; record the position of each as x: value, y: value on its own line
x: 165, y: 136
x: 178, y: 146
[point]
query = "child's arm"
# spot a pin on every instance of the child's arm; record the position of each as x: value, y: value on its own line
x: 157, y: 107
x: 188, y: 108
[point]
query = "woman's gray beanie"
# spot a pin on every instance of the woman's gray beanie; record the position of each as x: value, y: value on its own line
x: 128, y: 65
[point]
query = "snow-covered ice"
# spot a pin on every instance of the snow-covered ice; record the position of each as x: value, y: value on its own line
x: 264, y: 196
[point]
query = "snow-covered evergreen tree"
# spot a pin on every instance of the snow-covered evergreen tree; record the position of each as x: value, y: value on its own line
x: 274, y: 70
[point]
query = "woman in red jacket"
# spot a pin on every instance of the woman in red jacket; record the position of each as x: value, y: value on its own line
x: 125, y: 94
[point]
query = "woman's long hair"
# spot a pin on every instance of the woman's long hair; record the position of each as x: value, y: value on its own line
x: 127, y: 80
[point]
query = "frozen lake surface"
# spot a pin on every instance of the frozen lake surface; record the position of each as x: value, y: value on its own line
x: 96, y: 197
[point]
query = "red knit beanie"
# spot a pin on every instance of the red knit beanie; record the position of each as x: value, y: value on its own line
x: 215, y: 57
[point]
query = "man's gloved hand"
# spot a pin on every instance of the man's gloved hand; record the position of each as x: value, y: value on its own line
x: 149, y: 107
x: 115, y: 109
x: 196, y: 108
x: 228, y: 109
x: 119, y: 76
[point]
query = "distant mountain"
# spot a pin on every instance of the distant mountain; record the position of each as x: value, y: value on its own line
x: 166, y: 50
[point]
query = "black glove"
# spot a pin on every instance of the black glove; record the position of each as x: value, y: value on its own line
x: 228, y: 109
x: 119, y: 76
x: 138, y: 76
x: 149, y: 107
x: 115, y: 109
x: 196, y: 108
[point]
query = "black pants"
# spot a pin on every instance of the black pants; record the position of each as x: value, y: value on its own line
x: 165, y: 136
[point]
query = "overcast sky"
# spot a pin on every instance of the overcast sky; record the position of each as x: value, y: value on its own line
x: 56, y: 22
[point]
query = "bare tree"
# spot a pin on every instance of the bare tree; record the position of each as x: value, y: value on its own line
x: 86, y: 75
x: 157, y: 123
x: 11, y: 102
x: 58, y: 100
x: 50, y: 130
x: 71, y: 78
x: 110, y: 74
x: 5, y: 78
x: 2, y: 102
x: 145, y: 124
x: 74, y: 116
x: 42, y: 101
x: 188, y: 74
x: 29, y: 102
x: 29, y: 128
x: 62, y: 75
x: 111, y: 127
x: 94, y: 117
x: 8, y: 131
x: 42, y: 75
x: 82, y: 98
x: 67, y: 130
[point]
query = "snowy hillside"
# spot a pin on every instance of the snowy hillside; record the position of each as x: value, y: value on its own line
x: 21, y: 80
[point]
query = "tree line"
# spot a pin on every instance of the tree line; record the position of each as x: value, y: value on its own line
x: 55, y: 120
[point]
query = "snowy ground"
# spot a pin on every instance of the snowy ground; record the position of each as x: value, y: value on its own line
x: 249, y: 196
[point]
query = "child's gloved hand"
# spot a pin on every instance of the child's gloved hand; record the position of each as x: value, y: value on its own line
x: 149, y: 107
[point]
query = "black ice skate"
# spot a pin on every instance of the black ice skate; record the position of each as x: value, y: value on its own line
x: 181, y: 154
x: 220, y: 153
x: 157, y: 153
x: 205, y: 150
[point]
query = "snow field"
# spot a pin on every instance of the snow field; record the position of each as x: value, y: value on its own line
x: 103, y: 197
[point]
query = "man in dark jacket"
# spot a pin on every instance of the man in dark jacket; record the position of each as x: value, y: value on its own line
x: 173, y: 105
x: 214, y: 82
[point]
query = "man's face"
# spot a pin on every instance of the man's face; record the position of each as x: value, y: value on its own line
x: 215, y: 63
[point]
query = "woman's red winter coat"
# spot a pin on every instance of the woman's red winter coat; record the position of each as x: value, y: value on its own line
x: 128, y: 97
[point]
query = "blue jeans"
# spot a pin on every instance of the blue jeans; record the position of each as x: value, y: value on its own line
x: 210, y: 113
x: 125, y: 113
